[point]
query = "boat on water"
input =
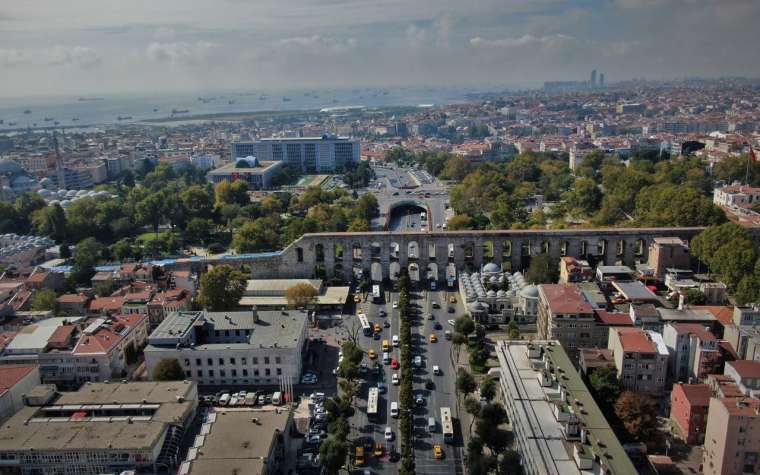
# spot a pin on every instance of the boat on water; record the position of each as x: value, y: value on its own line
x: 48, y: 119
x: 124, y: 117
x: 27, y: 111
x: 180, y: 111
x: 86, y: 99
x: 230, y: 102
x: 56, y: 123
x: 11, y: 124
x: 74, y: 119
x: 155, y: 109
x: 286, y: 99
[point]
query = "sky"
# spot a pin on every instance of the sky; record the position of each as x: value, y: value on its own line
x: 52, y: 47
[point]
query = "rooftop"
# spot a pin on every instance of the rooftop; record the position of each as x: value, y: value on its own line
x: 635, y: 291
x: 695, y: 329
x: 636, y: 340
x: 746, y: 368
x: 231, y: 168
x: 34, y: 337
x: 564, y: 298
x: 535, y: 406
x: 12, y: 374
x: 696, y: 394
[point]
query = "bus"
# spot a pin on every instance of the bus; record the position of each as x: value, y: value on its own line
x: 376, y: 295
x: 366, y: 327
x: 447, y: 426
x: 372, y: 400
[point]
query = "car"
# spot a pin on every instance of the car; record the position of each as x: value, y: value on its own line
x: 447, y: 334
x: 395, y: 340
x: 430, y: 316
x: 381, y: 387
x: 261, y: 400
x: 309, y: 380
x: 418, y: 361
x: 394, y: 363
x: 438, y: 451
x: 377, y: 328
x: 435, y: 304
x: 437, y: 326
x: 437, y: 370
x: 395, y: 304
x: 453, y: 299
x: 388, y: 433
x: 438, y: 225
x: 372, y: 354
x: 379, y: 450
x: 357, y: 299
x: 433, y: 338
x: 451, y: 310
x: 394, y: 379
x: 317, y: 397
x: 386, y: 324
x: 450, y: 322
x: 363, y: 368
x: 376, y: 336
x: 383, y: 313
x: 419, y: 399
x: 429, y: 384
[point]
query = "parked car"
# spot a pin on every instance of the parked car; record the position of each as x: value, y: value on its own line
x: 395, y: 379
x: 388, y: 433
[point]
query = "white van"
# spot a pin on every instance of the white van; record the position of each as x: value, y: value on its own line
x: 386, y: 358
x: 225, y: 399
x: 431, y: 424
x: 394, y: 409
x: 277, y: 398
x: 395, y: 340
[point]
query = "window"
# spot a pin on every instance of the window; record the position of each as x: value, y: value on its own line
x: 187, y: 373
x: 277, y: 360
x: 279, y: 371
x: 245, y: 372
x: 234, y: 372
x: 200, y: 373
x: 222, y: 373
x: 221, y: 361
x: 242, y: 361
x: 255, y: 360
x: 267, y: 372
x: 187, y: 362
x: 232, y: 360
x: 210, y: 362
x: 198, y: 362
x: 266, y: 360
x: 255, y: 372
x: 237, y: 332
x: 211, y: 373
x: 226, y: 333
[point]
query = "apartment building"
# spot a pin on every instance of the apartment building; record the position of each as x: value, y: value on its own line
x: 746, y: 376
x: 694, y: 351
x: 743, y: 332
x: 668, y: 252
x: 557, y: 425
x: 15, y: 381
x: 688, y: 411
x: 641, y: 359
x: 232, y: 348
x: 565, y: 315
x: 101, y: 428
x: 327, y: 153
x: 732, y: 437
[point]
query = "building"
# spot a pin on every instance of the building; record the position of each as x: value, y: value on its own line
x: 574, y: 270
x: 232, y: 348
x: 164, y: 303
x: 258, y: 175
x: 73, y: 304
x: 688, y: 411
x: 272, y: 294
x: 493, y: 296
x: 746, y: 375
x: 743, y: 332
x: 732, y: 437
x: 641, y: 359
x: 328, y: 153
x: 645, y: 316
x: 694, y: 351
x: 736, y: 196
x: 630, y: 108
x: 251, y: 442
x: 668, y: 252
x: 578, y: 151
x: 102, y: 428
x: 15, y: 382
x: 23, y: 251
x: 565, y: 315
x: 592, y: 359
x: 557, y: 425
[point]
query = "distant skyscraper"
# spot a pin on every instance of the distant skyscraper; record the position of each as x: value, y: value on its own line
x: 601, y: 79
x: 592, y: 83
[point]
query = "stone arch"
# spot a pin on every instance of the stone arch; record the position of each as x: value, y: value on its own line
x: 469, y: 251
x: 431, y: 249
x: 601, y: 247
x: 525, y: 248
x: 506, y: 250
x: 639, y: 247
x: 584, y: 249
x: 488, y: 250
x: 450, y: 250
x: 357, y: 272
x: 319, y: 252
x: 546, y: 247
x: 451, y: 272
x: 338, y: 252
x: 432, y: 271
x: 620, y: 248
x: 564, y: 248
x: 394, y: 249
x: 357, y: 252
x: 376, y: 271
x: 375, y: 250
x: 299, y: 254
x: 414, y: 272
x: 413, y: 250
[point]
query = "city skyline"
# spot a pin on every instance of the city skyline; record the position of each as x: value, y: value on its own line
x: 98, y: 48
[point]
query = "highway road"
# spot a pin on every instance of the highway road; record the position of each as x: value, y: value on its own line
x: 442, y: 395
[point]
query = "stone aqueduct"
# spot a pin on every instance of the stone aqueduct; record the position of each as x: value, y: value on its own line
x: 383, y: 254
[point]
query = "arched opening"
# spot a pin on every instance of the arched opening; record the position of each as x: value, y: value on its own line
x: 488, y: 250
x: 413, y: 250
x: 640, y: 246
x: 319, y: 252
x: 299, y: 254
x: 469, y: 251
x: 545, y: 247
x: 432, y: 271
x: 451, y: 274
x: 601, y: 247
x: 338, y: 252
x: 414, y: 272
x: 376, y: 269
x: 407, y: 215
x: 584, y: 248
x: 563, y: 248
x: 620, y: 248
x: 357, y: 272
x: 451, y: 250
x: 375, y: 250
x: 431, y: 250
x: 394, y: 250
x: 357, y: 251
x: 394, y: 270
x: 506, y: 251
x: 525, y: 248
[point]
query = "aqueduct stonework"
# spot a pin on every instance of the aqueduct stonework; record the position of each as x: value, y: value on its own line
x: 383, y: 254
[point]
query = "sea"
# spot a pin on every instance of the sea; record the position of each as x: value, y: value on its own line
x: 39, y: 112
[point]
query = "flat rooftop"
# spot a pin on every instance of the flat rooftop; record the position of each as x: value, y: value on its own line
x: 256, y: 287
x: 535, y: 407
x: 237, y: 442
x: 228, y: 168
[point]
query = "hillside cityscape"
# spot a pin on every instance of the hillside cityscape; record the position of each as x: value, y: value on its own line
x: 335, y: 268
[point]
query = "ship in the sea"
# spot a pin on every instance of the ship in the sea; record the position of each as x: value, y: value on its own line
x: 27, y: 111
x: 11, y: 124
x: 155, y: 109
x: 180, y: 111
x: 87, y: 99
x: 230, y: 102
x: 285, y: 99
x: 48, y: 119
x: 74, y: 119
x: 124, y: 117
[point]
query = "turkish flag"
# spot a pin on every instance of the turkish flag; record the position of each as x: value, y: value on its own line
x: 752, y: 154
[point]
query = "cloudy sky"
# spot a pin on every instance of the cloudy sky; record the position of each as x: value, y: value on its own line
x: 101, y: 46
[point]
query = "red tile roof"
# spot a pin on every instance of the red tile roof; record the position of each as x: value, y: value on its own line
x: 100, y: 342
x: 696, y: 394
x: 722, y: 313
x: 107, y: 304
x: 5, y: 338
x: 695, y: 329
x: 61, y: 334
x: 10, y: 375
x: 565, y: 298
x: 72, y: 298
x: 635, y: 340
x: 613, y: 318
x: 746, y: 368
x: 39, y: 277
x: 745, y: 406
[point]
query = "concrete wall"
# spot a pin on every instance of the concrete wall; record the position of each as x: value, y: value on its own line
x: 471, y: 249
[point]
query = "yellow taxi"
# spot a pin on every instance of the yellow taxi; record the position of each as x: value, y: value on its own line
x: 438, y: 451
x: 452, y: 299
x: 433, y: 338
x: 372, y: 354
x: 377, y: 328
x: 357, y: 299
x: 359, y: 461
x: 379, y: 450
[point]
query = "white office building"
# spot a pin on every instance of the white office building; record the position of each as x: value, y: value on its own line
x: 325, y: 154
x: 232, y: 348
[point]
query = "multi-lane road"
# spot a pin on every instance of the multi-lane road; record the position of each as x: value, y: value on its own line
x: 442, y: 393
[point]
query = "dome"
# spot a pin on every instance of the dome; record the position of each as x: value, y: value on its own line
x: 477, y: 307
x: 491, y: 294
x: 501, y: 294
x: 81, y: 193
x: 493, y: 280
x: 9, y: 167
x: 529, y: 292
x: 44, y: 193
x: 491, y: 268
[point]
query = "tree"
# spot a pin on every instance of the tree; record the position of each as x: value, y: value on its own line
x: 150, y: 210
x: 87, y: 253
x: 366, y: 207
x: 50, y: 221
x: 488, y: 388
x: 45, y: 299
x: 605, y: 386
x: 676, y: 205
x: 25, y: 205
x: 199, y: 201
x: 104, y: 289
x: 728, y: 250
x: 513, y: 331
x: 638, y: 414
x: 584, y: 198
x: 259, y: 235
x: 696, y: 297
x: 122, y: 249
x: 487, y: 427
x: 464, y: 325
x: 465, y: 382
x: 456, y: 168
x: 221, y: 288
x: 168, y: 369
x: 199, y: 229
x: 333, y: 453
x: 460, y: 222
x: 509, y: 463
x: 542, y: 270
x: 301, y: 295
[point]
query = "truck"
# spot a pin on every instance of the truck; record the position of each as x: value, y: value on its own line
x: 277, y: 398
x: 225, y: 399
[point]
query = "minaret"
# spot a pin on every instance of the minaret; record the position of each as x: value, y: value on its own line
x: 59, y: 163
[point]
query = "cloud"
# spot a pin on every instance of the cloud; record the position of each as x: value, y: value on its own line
x: 164, y: 33
x: 317, y: 44
x: 78, y: 56
x: 12, y: 57
x: 180, y: 52
x: 522, y: 41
